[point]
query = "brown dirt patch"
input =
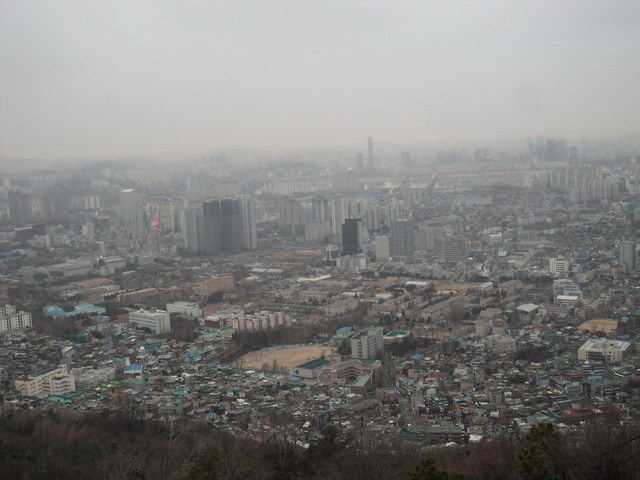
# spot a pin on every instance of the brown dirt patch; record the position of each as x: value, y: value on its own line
x: 285, y: 358
x: 599, y: 325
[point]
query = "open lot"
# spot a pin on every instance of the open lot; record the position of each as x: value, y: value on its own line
x: 285, y: 358
x: 599, y: 325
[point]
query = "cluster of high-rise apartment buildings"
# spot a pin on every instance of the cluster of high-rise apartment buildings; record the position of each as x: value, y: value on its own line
x: 319, y: 218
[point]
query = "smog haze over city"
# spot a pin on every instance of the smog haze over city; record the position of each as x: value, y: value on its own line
x: 171, y: 79
x: 337, y: 240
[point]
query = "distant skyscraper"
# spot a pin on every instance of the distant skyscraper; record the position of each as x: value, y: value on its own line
x: 402, y: 241
x: 291, y: 220
x: 370, y: 165
x: 434, y: 238
x: 19, y: 207
x: 573, y: 155
x: 405, y: 159
x: 170, y: 213
x: 562, y: 151
x: 129, y: 201
x: 405, y: 192
x: 320, y: 209
x: 222, y: 225
x: 55, y: 204
x: 628, y: 256
x: 371, y: 219
x: 213, y: 239
x: 139, y: 222
x: 249, y: 228
x: 551, y: 150
x: 352, y: 236
x: 338, y: 214
x: 232, y: 225
x: 382, y: 248
x: 192, y: 225
x: 394, y: 211
x: 289, y: 212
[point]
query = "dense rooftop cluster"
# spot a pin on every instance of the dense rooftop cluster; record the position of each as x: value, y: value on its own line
x: 505, y: 297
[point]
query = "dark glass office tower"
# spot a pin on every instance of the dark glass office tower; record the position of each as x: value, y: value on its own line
x: 352, y: 236
x: 222, y: 226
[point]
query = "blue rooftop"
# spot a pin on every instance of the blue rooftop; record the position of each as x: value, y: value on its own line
x: 81, y: 308
x: 53, y: 310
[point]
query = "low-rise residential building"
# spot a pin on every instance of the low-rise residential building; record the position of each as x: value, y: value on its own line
x: 51, y: 380
x: 109, y: 265
x: 10, y: 319
x: 570, y: 301
x: 566, y: 287
x: 501, y: 343
x: 604, y: 350
x: 185, y: 308
x: 440, y: 310
x: 137, y: 295
x: 490, y: 313
x: 341, y: 372
x: 528, y: 310
x: 157, y: 321
x: 510, y: 287
x: 90, y: 377
x: 341, y: 306
x: 223, y: 283
x: 559, y: 266
x: 483, y: 327
x: 310, y: 369
x: 261, y: 321
x: 71, y: 268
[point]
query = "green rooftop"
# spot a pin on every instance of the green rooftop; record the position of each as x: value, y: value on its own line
x: 319, y: 362
x: 59, y: 399
x: 396, y: 333
x: 361, y: 381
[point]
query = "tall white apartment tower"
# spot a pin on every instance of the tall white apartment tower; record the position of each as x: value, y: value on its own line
x: 367, y: 343
x: 339, y: 213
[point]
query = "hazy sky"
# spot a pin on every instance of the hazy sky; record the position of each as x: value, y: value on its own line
x: 116, y: 78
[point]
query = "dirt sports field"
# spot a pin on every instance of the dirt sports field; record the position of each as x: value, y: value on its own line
x: 602, y: 325
x: 285, y: 358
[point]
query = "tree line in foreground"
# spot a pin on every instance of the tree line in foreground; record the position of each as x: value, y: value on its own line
x: 116, y: 445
